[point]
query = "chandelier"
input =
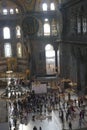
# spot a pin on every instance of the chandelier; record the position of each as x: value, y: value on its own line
x: 14, y: 91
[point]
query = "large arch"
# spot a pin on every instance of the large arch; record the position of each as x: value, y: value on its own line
x: 50, y: 59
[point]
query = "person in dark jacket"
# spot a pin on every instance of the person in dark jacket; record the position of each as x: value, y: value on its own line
x: 35, y: 128
x: 40, y: 128
x: 70, y: 125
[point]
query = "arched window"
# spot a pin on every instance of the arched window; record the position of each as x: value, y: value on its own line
x: 18, y: 32
x: 19, y: 50
x: 40, y: 31
x: 50, y: 59
x: 78, y: 25
x: 49, y: 51
x: 58, y: 60
x: 44, y: 7
x: 46, y: 29
x: 54, y: 27
x: 6, y: 33
x: 11, y: 11
x: 84, y: 25
x: 52, y: 6
x: 17, y: 11
x: 5, y: 11
x: 7, y: 50
x: 46, y: 20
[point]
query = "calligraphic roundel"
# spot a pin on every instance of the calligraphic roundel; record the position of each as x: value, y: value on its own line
x: 30, y: 25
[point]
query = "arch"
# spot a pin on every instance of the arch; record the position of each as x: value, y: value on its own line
x: 19, y: 50
x: 18, y: 31
x: 48, y: 47
x: 5, y: 11
x: 44, y: 6
x: 17, y: 10
x: 50, y: 59
x: 40, y: 31
x: 52, y: 6
x: 54, y: 27
x: 11, y: 11
x: 46, y: 29
x: 58, y: 60
x: 7, y: 50
x: 6, y: 33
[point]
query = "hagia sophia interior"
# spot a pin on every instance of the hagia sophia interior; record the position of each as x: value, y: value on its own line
x: 43, y: 64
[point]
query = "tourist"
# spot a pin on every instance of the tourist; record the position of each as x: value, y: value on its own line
x: 80, y: 122
x: 40, y: 128
x: 35, y: 128
x: 69, y: 96
x: 70, y: 125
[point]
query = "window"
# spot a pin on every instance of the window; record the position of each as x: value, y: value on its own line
x: 46, y: 20
x: 44, y: 6
x: 17, y: 11
x: 5, y: 11
x: 18, y: 32
x: 84, y: 22
x: 46, y: 29
x: 11, y: 11
x: 40, y: 31
x: 50, y: 59
x: 19, y: 50
x: 78, y: 25
x: 54, y: 27
x: 58, y: 56
x: 52, y: 6
x: 7, y: 50
x: 6, y: 33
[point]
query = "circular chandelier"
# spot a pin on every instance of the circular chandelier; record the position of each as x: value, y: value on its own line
x: 14, y: 91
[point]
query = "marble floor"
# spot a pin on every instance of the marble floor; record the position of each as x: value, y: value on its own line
x: 52, y: 121
x: 52, y: 124
x: 49, y: 121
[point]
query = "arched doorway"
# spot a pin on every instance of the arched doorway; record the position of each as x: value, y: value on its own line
x: 50, y: 59
x: 58, y: 61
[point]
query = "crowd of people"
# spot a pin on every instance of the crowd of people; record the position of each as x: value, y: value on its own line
x: 42, y: 104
